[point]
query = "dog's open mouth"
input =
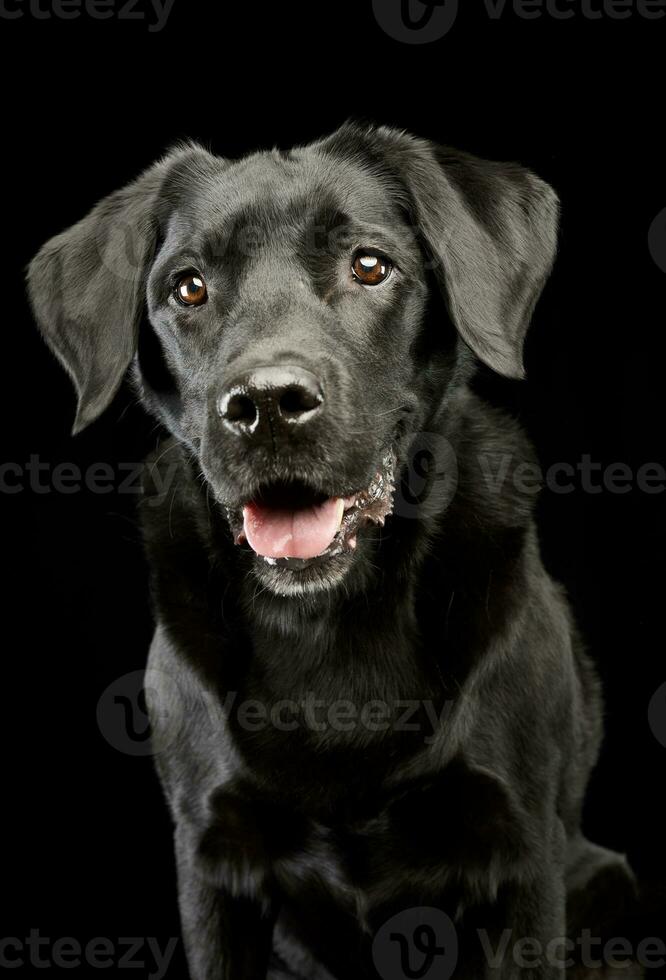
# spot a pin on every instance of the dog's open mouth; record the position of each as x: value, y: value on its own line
x: 292, y: 525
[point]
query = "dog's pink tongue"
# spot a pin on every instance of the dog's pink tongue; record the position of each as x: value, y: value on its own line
x: 292, y: 533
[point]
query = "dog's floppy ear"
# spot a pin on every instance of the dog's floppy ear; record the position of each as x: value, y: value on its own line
x: 491, y: 232
x: 86, y: 285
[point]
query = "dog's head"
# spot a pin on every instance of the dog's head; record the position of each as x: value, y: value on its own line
x: 295, y: 318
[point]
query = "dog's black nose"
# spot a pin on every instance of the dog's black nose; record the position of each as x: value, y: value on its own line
x: 270, y: 397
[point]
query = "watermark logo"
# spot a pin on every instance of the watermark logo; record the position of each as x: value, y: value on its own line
x: 416, y: 21
x: 39, y: 952
x: 430, y: 477
x: 145, y: 714
x: 422, y: 944
x: 124, y: 710
x: 657, y: 715
x: 657, y: 240
x: 153, y: 13
x: 423, y: 21
x: 419, y: 944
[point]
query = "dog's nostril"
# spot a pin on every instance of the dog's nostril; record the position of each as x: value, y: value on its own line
x: 297, y: 400
x: 239, y: 408
x: 270, y: 401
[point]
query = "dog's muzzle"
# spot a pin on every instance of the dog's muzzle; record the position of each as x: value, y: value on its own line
x: 292, y: 526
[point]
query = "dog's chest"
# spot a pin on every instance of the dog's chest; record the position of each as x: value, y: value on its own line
x: 319, y: 867
x: 316, y: 713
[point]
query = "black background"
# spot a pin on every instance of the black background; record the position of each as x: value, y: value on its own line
x: 89, y: 104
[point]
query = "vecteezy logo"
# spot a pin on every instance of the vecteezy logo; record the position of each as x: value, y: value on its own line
x: 123, y: 712
x: 657, y: 715
x: 418, y: 944
x: 430, y: 478
x: 416, y: 21
x: 657, y: 240
x: 422, y: 20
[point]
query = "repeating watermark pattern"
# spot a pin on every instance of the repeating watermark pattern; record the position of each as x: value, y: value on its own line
x: 423, y: 943
x: 416, y: 21
x: 657, y: 715
x: 101, y: 953
x: 126, y: 706
x: 431, y: 471
x: 121, y: 248
x: 420, y: 943
x: 565, y: 952
x: 425, y: 21
x: 570, y: 9
x: 40, y: 477
x: 657, y: 240
x: 153, y: 13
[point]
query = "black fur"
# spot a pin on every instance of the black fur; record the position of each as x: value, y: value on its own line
x: 296, y: 841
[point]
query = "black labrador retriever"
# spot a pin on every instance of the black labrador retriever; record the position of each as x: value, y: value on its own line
x: 369, y: 702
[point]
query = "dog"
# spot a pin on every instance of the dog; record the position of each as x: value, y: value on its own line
x: 368, y: 698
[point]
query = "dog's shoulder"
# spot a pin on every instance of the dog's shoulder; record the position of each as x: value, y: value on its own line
x: 179, y: 525
x: 498, y: 472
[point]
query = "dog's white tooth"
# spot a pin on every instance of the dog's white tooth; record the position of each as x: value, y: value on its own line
x: 240, y: 538
x: 341, y: 511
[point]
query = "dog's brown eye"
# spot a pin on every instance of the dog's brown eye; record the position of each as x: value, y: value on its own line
x: 191, y: 290
x: 371, y: 270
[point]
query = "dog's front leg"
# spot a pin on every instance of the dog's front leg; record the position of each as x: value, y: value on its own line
x: 523, y: 937
x: 226, y: 937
